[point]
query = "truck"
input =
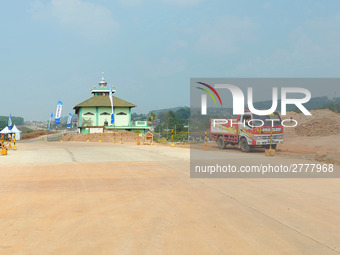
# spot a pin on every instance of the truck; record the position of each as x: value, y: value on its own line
x: 248, y: 131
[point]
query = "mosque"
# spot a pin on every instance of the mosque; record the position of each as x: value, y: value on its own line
x: 94, y: 114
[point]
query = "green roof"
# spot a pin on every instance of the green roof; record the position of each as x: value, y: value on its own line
x: 104, y: 101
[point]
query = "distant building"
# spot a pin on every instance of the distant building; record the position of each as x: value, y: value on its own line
x: 94, y: 114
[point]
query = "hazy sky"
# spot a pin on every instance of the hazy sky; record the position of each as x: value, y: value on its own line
x: 56, y: 50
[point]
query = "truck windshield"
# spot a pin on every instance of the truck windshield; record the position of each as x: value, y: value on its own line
x: 269, y: 120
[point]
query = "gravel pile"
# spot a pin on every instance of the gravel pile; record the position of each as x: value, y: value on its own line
x: 319, y: 127
x: 320, y: 123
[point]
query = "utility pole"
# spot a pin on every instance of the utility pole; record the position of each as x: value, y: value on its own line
x: 167, y: 133
x: 188, y: 132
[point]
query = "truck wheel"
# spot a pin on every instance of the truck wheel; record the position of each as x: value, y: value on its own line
x: 244, y: 145
x: 221, y: 143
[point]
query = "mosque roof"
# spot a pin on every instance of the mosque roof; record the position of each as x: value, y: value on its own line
x: 104, y: 101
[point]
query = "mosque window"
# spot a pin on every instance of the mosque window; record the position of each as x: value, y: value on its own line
x: 87, y: 122
x: 121, y: 113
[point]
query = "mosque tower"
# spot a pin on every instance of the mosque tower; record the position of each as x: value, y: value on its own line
x: 103, y: 89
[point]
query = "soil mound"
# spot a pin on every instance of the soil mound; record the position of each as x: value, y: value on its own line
x: 319, y: 127
x: 320, y: 123
x: 127, y: 137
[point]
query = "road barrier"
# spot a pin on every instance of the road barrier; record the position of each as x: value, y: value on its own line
x: 205, y: 147
x: 10, y: 142
x: 138, y: 143
x: 3, y: 146
x: 3, y: 150
x: 14, y: 147
x: 172, y: 138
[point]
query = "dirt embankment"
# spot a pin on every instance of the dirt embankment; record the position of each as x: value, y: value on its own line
x: 320, y: 123
x: 127, y: 137
x: 36, y: 134
x: 316, y: 134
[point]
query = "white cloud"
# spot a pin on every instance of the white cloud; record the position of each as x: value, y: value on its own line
x: 182, y: 2
x: 84, y: 18
x: 168, y: 2
x: 177, y: 45
x: 225, y: 35
x: 325, y: 32
x: 313, y: 50
x: 132, y: 2
x: 161, y: 68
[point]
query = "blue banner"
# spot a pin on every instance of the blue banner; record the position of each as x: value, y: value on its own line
x: 58, y: 112
x: 49, y: 123
x: 112, y: 118
x: 10, y: 122
x: 69, y: 120
x: 111, y: 99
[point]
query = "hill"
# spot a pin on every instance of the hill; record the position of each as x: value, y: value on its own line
x: 18, y: 121
x: 313, y: 104
x: 174, y: 109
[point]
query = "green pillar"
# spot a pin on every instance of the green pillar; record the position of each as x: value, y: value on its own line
x: 80, y: 120
x: 114, y: 115
x: 97, y: 116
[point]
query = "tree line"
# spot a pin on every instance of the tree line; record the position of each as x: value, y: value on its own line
x: 18, y: 121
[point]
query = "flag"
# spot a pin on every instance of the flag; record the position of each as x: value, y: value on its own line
x: 69, y: 120
x: 112, y: 114
x: 58, y: 112
x: 10, y: 122
x: 49, y: 123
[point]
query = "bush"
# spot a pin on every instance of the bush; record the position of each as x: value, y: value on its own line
x: 162, y: 140
x: 180, y: 137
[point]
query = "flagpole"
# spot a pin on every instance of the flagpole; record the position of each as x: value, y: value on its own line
x: 111, y: 100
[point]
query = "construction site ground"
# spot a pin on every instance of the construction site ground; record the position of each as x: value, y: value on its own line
x: 104, y: 198
x: 316, y: 137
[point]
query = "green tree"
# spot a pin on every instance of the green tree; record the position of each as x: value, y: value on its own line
x: 183, y: 113
x: 168, y: 121
x: 152, y: 117
x: 19, y: 121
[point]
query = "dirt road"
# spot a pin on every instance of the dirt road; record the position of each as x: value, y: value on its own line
x: 92, y: 198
